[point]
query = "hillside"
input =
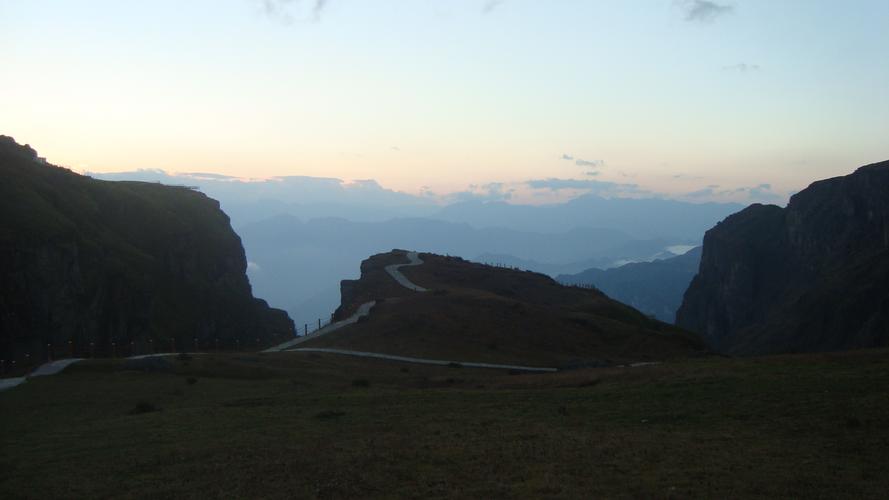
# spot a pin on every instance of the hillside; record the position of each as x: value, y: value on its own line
x: 654, y: 288
x: 474, y: 312
x: 300, y: 262
x: 98, y: 267
x: 811, y: 277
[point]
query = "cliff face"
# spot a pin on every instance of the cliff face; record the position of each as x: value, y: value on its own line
x: 90, y: 266
x: 811, y: 277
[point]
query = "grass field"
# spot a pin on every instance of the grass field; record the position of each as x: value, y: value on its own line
x: 297, y: 425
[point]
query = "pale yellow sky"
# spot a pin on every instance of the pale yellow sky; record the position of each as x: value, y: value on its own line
x: 445, y: 95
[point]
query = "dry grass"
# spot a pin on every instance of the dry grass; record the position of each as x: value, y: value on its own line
x: 293, y: 425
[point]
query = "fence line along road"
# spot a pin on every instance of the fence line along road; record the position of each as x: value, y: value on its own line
x: 363, y: 310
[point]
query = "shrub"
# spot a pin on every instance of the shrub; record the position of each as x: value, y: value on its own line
x: 329, y: 414
x: 143, y: 407
x: 191, y: 381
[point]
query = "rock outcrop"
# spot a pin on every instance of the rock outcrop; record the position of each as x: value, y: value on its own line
x: 811, y: 277
x: 97, y: 267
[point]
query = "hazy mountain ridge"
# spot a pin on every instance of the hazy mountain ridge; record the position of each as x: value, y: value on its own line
x: 641, y: 218
x: 88, y: 261
x: 654, y: 288
x: 305, y: 234
x: 811, y: 277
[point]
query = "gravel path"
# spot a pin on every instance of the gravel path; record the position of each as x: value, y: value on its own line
x: 393, y: 270
x: 45, y: 369
x: 363, y: 310
x: 9, y: 383
x: 54, y: 367
x: 425, y: 361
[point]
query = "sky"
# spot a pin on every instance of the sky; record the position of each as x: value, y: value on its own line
x: 523, y: 100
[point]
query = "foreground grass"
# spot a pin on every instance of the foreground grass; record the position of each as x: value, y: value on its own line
x: 298, y: 425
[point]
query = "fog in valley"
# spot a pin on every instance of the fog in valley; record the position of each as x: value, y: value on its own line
x: 303, y: 235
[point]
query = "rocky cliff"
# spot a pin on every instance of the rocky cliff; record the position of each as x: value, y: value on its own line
x: 98, y: 267
x: 811, y: 277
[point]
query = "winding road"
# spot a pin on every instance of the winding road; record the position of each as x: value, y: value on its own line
x: 363, y: 310
x: 401, y: 279
x: 393, y: 270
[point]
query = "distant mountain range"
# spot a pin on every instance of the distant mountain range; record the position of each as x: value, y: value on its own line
x: 641, y: 218
x: 655, y: 288
x: 304, y: 234
x: 810, y: 277
x: 366, y: 201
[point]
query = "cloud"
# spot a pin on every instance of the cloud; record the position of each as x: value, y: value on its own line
x: 491, y: 5
x: 761, y: 193
x: 581, y: 162
x: 701, y: 193
x: 253, y: 266
x: 742, y: 68
x: 319, y: 7
x: 281, y: 9
x: 704, y: 11
x: 592, y: 173
x: 589, y: 163
x: 594, y: 186
x: 492, y: 191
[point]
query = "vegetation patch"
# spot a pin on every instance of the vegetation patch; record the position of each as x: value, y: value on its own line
x: 143, y: 407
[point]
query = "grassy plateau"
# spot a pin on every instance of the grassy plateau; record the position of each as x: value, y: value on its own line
x: 300, y: 425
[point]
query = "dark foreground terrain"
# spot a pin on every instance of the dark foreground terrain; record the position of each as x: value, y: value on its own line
x: 299, y: 425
